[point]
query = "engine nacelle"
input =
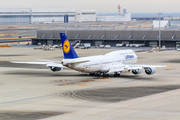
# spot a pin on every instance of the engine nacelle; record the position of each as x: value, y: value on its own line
x: 137, y: 71
x: 150, y: 70
x: 55, y: 69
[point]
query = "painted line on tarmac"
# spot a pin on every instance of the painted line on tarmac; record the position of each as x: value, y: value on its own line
x: 7, y: 110
x: 96, y: 115
x: 144, y: 118
x: 80, y: 84
x: 48, y: 112
x: 111, y: 116
x: 6, y: 58
x: 71, y: 114
x: 120, y: 117
x: 139, y: 109
x: 26, y: 111
x: 29, y: 112
x: 114, y: 117
x: 24, y: 99
x: 103, y: 81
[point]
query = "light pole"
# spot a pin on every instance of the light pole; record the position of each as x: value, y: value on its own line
x: 159, y: 31
x: 65, y: 24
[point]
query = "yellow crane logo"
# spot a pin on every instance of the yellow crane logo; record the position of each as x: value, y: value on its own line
x: 66, y: 46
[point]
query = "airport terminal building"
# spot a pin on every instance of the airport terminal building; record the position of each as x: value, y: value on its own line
x: 169, y: 38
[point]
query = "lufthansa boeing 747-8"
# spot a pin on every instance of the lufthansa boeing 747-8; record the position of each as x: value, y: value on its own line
x: 114, y: 62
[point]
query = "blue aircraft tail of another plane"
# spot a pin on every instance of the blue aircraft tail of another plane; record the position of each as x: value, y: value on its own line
x: 68, y: 50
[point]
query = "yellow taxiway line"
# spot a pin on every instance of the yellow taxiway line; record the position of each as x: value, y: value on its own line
x: 9, y: 38
x: 15, y: 42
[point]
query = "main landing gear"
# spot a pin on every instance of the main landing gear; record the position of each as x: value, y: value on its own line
x: 99, y: 74
x: 95, y: 74
x: 105, y: 75
x: 91, y: 74
x: 116, y: 74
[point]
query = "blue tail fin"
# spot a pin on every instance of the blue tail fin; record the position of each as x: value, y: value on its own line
x: 68, y: 50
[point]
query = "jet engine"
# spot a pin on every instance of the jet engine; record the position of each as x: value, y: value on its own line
x: 55, y: 69
x: 150, y: 70
x: 137, y: 71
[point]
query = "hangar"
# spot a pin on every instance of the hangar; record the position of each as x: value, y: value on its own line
x: 45, y: 15
x: 54, y: 15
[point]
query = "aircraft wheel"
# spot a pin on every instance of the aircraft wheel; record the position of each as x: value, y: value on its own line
x: 91, y: 74
x: 105, y: 75
x: 96, y: 74
x: 116, y: 75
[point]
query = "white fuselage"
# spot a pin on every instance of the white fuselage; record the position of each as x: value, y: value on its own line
x: 101, y: 63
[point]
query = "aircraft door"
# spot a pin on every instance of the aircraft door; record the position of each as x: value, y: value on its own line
x: 85, y: 68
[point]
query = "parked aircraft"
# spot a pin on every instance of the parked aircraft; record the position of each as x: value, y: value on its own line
x: 114, y: 62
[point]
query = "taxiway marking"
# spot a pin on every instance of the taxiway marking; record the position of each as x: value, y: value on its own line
x: 24, y: 99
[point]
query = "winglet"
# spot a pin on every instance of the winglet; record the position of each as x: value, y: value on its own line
x: 68, y: 50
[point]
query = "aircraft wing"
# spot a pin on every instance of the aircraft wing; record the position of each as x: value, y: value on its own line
x: 116, y: 69
x: 122, y: 67
x: 48, y: 64
x: 55, y: 65
x: 145, y: 66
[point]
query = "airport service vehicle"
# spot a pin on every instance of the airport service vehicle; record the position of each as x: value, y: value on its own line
x: 56, y: 46
x: 114, y: 62
x: 119, y: 45
x: 85, y: 46
x: 101, y: 46
x: 178, y: 47
x: 107, y: 46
